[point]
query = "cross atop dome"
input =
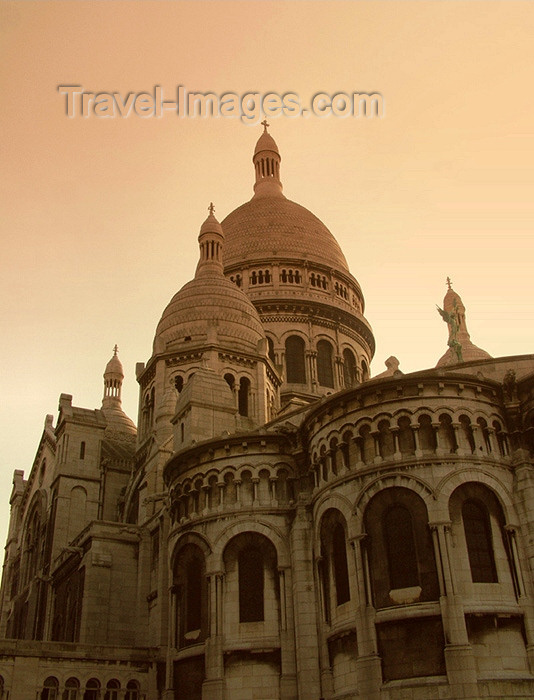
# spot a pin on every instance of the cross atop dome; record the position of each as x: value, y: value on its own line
x: 265, y: 124
x: 449, y: 283
x: 211, y: 208
x: 115, y: 350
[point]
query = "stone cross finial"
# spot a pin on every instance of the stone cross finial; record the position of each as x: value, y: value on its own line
x: 211, y: 208
x: 115, y: 349
x: 449, y: 283
x: 265, y: 125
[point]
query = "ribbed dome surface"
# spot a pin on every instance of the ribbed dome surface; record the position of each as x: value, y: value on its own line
x: 118, y: 421
x: 266, y: 143
x: 269, y: 227
x: 114, y: 366
x: 207, y: 305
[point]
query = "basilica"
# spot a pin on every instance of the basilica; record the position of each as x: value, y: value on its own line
x: 279, y: 525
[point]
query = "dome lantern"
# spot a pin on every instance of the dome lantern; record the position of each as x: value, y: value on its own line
x: 266, y: 161
x: 210, y: 239
x: 113, y: 377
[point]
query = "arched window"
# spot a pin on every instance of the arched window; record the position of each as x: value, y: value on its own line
x: 193, y: 618
x: 400, y: 545
x: 92, y: 689
x: 479, y: 542
x: 466, y: 434
x: 82, y: 450
x: 427, y: 434
x: 406, y: 436
x: 367, y: 444
x: 447, y: 439
x: 270, y: 351
x: 230, y: 380
x: 483, y: 426
x: 243, y: 396
x: 112, y: 690
x: 365, y: 371
x: 501, y: 438
x: 72, y: 686
x: 132, y: 691
x: 190, y: 588
x: 33, y: 542
x: 399, y: 549
x: 341, y: 572
x: 333, y: 566
x: 325, y: 370
x: 295, y: 363
x: 50, y: 688
x: 179, y: 383
x: 385, y: 440
x: 250, y: 568
x: 349, y: 369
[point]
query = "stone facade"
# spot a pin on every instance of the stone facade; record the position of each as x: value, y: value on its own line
x: 280, y: 526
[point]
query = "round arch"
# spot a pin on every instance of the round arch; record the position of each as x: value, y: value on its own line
x: 215, y: 562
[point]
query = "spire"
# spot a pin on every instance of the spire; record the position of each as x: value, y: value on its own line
x: 210, y: 239
x: 461, y: 349
x: 266, y: 161
x: 113, y: 377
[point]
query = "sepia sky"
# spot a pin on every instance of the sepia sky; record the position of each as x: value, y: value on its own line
x: 100, y: 216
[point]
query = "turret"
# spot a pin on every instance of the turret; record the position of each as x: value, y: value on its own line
x: 113, y: 377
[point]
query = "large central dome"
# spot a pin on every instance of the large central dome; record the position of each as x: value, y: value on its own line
x: 293, y: 270
x: 276, y: 227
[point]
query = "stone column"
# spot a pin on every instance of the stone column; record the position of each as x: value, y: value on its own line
x: 237, y: 483
x: 220, y: 484
x: 459, y: 658
x: 213, y: 687
x: 396, y: 449
x: 288, y: 673
x: 327, y: 682
x: 368, y: 664
x: 255, y: 481
x: 440, y: 450
x: 272, y: 483
x: 415, y: 429
x: 305, y: 602
x: 376, y: 438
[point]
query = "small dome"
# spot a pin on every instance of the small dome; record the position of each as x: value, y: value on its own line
x: 114, y: 366
x: 210, y: 309
x: 276, y: 227
x: 118, y: 422
x: 211, y: 225
x: 266, y: 143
